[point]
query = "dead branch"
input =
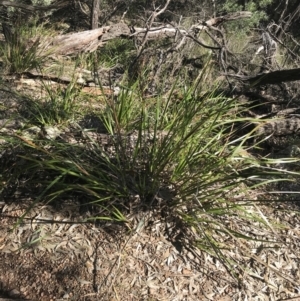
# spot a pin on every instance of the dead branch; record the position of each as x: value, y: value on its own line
x: 170, y: 31
x: 277, y: 28
x: 90, y: 40
x: 219, y: 20
x: 151, y: 19
x: 201, y: 43
x: 274, y: 77
x: 229, y: 17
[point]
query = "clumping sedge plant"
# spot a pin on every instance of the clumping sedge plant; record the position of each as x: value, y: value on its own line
x: 25, y: 48
x: 179, y: 155
x: 58, y: 106
x: 175, y: 152
x: 117, y: 51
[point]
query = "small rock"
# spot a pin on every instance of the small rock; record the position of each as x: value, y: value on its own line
x: 14, y: 293
x: 51, y: 132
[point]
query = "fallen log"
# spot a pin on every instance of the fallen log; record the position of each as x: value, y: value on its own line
x: 273, y: 77
x: 90, y: 40
x: 280, y: 127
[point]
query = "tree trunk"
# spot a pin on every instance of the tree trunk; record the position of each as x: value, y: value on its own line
x: 95, y: 14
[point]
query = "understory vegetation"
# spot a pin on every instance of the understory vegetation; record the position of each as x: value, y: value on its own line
x: 162, y: 130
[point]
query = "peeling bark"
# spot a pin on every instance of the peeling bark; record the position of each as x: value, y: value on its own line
x: 89, y: 40
x: 280, y: 127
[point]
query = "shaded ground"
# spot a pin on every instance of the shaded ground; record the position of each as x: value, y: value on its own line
x: 65, y: 260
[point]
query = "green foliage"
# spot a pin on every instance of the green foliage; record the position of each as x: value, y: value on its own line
x: 116, y: 51
x: 24, y: 50
x: 41, y: 2
x: 176, y: 153
x: 59, y: 106
x: 258, y: 9
x: 231, y: 6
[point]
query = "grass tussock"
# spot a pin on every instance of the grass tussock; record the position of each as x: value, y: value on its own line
x: 175, y: 152
x: 25, y: 48
x: 181, y: 156
x: 60, y: 105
